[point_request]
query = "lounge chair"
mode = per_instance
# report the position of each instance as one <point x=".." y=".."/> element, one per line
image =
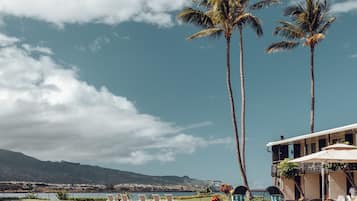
<point x="169" y="197"/>
<point x="142" y="197"/>
<point x="124" y="197"/>
<point x="117" y="197"/>
<point x="275" y="193"/>
<point x="341" y="198"/>
<point x="320" y="200"/>
<point x="239" y="193"/>
<point x="155" y="197"/>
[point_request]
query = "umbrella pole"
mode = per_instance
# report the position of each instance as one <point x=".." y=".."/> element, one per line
<point x="322" y="182"/>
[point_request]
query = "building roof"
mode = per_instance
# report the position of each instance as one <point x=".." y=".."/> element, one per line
<point x="312" y="135"/>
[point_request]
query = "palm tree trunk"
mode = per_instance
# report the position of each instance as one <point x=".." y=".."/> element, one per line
<point x="242" y="85"/>
<point x="242" y="90"/>
<point x="349" y="177"/>
<point x="233" y="112"/>
<point x="312" y="112"/>
<point x="302" y="194"/>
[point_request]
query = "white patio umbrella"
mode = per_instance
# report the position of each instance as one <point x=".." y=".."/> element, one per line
<point x="337" y="153"/>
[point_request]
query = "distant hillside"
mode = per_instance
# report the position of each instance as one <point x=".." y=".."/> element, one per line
<point x="15" y="166"/>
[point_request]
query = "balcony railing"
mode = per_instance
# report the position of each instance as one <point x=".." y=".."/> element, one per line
<point x="309" y="168"/>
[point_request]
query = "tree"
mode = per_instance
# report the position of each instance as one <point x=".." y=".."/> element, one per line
<point x="224" y="16"/>
<point x="244" y="17"/>
<point x="216" y="18"/>
<point x="310" y="22"/>
<point x="289" y="171"/>
<point x="240" y="10"/>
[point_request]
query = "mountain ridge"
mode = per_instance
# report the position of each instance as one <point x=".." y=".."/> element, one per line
<point x="16" y="166"/>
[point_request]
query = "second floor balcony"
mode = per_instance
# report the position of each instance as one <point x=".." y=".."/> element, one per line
<point x="312" y="168"/>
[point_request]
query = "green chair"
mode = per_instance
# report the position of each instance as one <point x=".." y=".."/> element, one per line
<point x="237" y="197"/>
<point x="239" y="193"/>
<point x="275" y="193"/>
<point x="276" y="197"/>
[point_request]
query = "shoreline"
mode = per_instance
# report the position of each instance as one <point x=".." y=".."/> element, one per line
<point x="40" y="187"/>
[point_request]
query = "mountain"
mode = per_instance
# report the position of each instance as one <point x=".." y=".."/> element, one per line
<point x="15" y="166"/>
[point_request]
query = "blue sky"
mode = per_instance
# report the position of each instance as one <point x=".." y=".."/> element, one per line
<point x="115" y="83"/>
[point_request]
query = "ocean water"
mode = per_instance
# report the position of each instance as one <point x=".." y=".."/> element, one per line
<point x="133" y="196"/>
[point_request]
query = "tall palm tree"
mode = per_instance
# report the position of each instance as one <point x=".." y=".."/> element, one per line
<point x="243" y="15"/>
<point x="310" y="22"/>
<point x="240" y="10"/>
<point x="215" y="18"/>
<point x="224" y="16"/>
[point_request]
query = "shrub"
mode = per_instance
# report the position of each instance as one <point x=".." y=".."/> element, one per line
<point x="287" y="169"/>
<point x="31" y="196"/>
<point x="62" y="195"/>
<point x="225" y="188"/>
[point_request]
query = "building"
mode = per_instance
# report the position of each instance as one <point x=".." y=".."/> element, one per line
<point x="215" y="185"/>
<point x="309" y="179"/>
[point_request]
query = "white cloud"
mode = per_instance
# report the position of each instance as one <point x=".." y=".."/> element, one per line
<point x="61" y="12"/>
<point x="38" y="49"/>
<point x="354" y="56"/>
<point x="47" y="112"/>
<point x="98" y="43"/>
<point x="344" y="6"/>
<point x="7" y="40"/>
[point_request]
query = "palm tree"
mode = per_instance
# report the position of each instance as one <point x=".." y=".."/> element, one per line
<point x="310" y="22"/>
<point x="224" y="16"/>
<point x="242" y="17"/>
<point x="216" y="19"/>
<point x="240" y="12"/>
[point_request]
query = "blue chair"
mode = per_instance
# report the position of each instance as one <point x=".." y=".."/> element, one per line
<point x="276" y="197"/>
<point x="275" y="193"/>
<point x="237" y="197"/>
<point x="239" y="193"/>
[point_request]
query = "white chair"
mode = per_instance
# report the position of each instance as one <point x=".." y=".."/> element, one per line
<point x="155" y="197"/>
<point x="341" y="198"/>
<point x="124" y="197"/>
<point x="110" y="198"/>
<point x="169" y="197"/>
<point x="118" y="197"/>
<point x="142" y="197"/>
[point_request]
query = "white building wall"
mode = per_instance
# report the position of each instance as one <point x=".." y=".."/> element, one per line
<point x="288" y="188"/>
<point x="337" y="184"/>
<point x="311" y="186"/>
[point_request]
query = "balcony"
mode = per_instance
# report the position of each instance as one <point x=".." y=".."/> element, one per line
<point x="309" y="168"/>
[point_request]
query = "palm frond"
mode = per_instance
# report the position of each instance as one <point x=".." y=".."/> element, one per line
<point x="294" y="10"/>
<point x="263" y="4"/>
<point x="327" y="25"/>
<point x="243" y="3"/>
<point x="252" y="20"/>
<point x="289" y="30"/>
<point x="194" y="16"/>
<point x="310" y="9"/>
<point x="317" y="15"/>
<point x="224" y="9"/>
<point x="213" y="32"/>
<point x="283" y="45"/>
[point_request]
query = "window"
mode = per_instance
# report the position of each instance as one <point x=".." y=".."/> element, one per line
<point x="349" y="138"/>
<point x="313" y="147"/>
<point x="322" y="144"/>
